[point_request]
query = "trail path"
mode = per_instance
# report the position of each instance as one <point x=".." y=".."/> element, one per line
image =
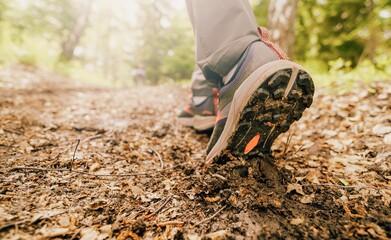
<point x="90" y="163"/>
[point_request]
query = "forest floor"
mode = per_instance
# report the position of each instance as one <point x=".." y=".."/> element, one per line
<point x="79" y="162"/>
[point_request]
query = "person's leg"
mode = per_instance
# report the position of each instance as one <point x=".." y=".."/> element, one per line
<point x="200" y="87"/>
<point x="223" y="30"/>
<point x="200" y="112"/>
<point x="262" y="93"/>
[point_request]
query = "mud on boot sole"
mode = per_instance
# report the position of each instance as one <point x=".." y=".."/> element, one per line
<point x="271" y="110"/>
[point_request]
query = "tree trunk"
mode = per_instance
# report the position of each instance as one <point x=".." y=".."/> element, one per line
<point x="372" y="42"/>
<point x="77" y="31"/>
<point x="281" y="21"/>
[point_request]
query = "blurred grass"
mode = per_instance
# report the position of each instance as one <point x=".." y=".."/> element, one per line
<point x="342" y="78"/>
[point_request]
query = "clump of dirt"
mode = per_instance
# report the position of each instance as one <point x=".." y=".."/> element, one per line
<point x="91" y="163"/>
<point x="139" y="228"/>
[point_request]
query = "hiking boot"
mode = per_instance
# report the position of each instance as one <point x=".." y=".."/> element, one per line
<point x="264" y="96"/>
<point x="200" y="115"/>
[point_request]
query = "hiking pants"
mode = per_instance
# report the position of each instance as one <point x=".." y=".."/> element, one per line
<point x="223" y="29"/>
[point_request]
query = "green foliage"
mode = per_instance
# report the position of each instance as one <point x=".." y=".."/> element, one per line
<point x="31" y="31"/>
<point x="166" y="42"/>
<point x="179" y="61"/>
<point x="349" y="30"/>
<point x="260" y="8"/>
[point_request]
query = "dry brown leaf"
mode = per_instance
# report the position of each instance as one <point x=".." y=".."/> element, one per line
<point x="295" y="187"/>
<point x="387" y="139"/>
<point x="97" y="204"/>
<point x="307" y="198"/>
<point x="49" y="232"/>
<point x="64" y="221"/>
<point x="94" y="167"/>
<point x="297" y="221"/>
<point x="381" y="130"/>
<point x="212" y="199"/>
<point x="89" y="233"/>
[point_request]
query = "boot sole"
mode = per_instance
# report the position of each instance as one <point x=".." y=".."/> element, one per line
<point x="203" y="123"/>
<point x="263" y="107"/>
<point x="200" y="123"/>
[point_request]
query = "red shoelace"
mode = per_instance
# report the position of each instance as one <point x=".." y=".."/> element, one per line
<point x="264" y="36"/>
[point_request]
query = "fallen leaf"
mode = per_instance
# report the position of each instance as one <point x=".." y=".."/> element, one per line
<point x="297" y="221"/>
<point x="5" y="216"/>
<point x="381" y="130"/>
<point x="387" y="139"/>
<point x="44" y="214"/>
<point x="376" y="231"/>
<point x="89" y="233"/>
<point x="49" y="232"/>
<point x="295" y="187"/>
<point x="307" y="198"/>
<point x="95" y="167"/>
<point x="97" y="204"/>
<point x="136" y="190"/>
<point x="106" y="229"/>
<point x="217" y="235"/>
<point x="64" y="221"/>
<point x="233" y="200"/>
<point x="275" y="203"/>
<point x="212" y="199"/>
<point x="312" y="177"/>
<point x="335" y="144"/>
<point x="344" y="182"/>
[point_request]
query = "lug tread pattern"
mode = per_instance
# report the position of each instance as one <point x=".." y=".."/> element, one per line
<point x="269" y="114"/>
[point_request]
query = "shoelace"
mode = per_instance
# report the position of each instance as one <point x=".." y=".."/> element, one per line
<point x="264" y="36"/>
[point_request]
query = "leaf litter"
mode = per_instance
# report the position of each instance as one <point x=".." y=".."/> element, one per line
<point x="82" y="162"/>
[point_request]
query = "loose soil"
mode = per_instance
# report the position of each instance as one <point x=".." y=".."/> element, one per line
<point x="79" y="162"/>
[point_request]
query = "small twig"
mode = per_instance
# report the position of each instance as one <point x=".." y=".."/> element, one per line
<point x="219" y="176"/>
<point x="74" y="154"/>
<point x="163" y="224"/>
<point x="211" y="217"/>
<point x="160" y="158"/>
<point x="13" y="131"/>
<point x="288" y="141"/>
<point x="244" y="136"/>
<point x="29" y="220"/>
<point x="347" y="210"/>
<point x="270" y="133"/>
<point x="298" y="150"/>
<point x="43" y="169"/>
<point x="348" y="187"/>
<point x="151" y="172"/>
<point x="159" y="209"/>
<point x="13" y="224"/>
<point x="75" y="234"/>
<point x="99" y="135"/>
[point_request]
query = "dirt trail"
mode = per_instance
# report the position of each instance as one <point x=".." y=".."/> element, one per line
<point x="91" y="163"/>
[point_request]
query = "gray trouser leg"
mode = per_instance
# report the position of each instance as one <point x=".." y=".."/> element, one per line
<point x="223" y="30"/>
<point x="200" y="87"/>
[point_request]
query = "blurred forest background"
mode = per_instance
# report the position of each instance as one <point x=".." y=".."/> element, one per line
<point x="101" y="41"/>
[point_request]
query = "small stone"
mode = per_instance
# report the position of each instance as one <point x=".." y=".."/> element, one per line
<point x="297" y="221"/>
<point x="387" y="139"/>
<point x="381" y="130"/>
<point x="139" y="228"/>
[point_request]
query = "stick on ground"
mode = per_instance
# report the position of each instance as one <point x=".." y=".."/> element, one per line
<point x="160" y="158"/>
<point x="211" y="217"/>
